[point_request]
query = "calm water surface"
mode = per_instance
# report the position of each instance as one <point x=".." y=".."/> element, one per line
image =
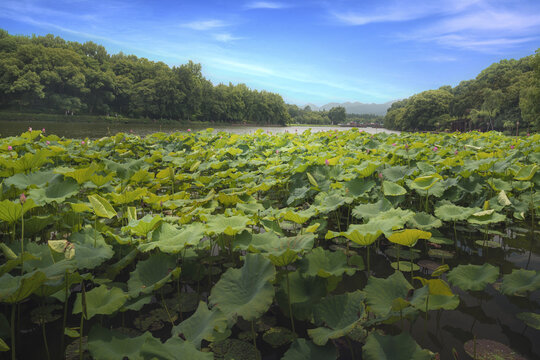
<point x="94" y="131"/>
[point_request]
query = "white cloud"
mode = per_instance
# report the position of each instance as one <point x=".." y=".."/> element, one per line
<point x="266" y="5"/>
<point x="226" y="37"/>
<point x="205" y="24"/>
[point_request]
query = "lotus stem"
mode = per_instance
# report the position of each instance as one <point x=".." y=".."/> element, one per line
<point x="338" y="223"/>
<point x="474" y="347"/>
<point x="66" y="290"/>
<point x="368" y="269"/>
<point x="22" y="244"/>
<point x="398" y="248"/>
<point x="13" y="311"/>
<point x="254" y="335"/>
<point x="165" y="307"/>
<point x="350" y="346"/>
<point x="95" y="231"/>
<point x="412" y="268"/>
<point x="43" y="332"/>
<point x="83" y="313"/>
<point x="289" y="300"/>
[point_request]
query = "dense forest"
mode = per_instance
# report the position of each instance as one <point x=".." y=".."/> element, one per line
<point x="47" y="74"/>
<point x="505" y="97"/>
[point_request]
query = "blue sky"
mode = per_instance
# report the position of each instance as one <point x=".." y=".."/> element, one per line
<point x="308" y="51"/>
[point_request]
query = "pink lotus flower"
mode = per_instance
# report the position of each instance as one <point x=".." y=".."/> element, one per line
<point x="367" y="151"/>
<point x="277" y="151"/>
<point x="528" y="134"/>
<point x="327" y="162"/>
<point x="435" y="148"/>
<point x="394" y="144"/>
<point x="43" y="130"/>
<point x="456" y="152"/>
<point x="407" y="147"/>
<point x="380" y="176"/>
<point x="82" y="142"/>
<point x="29" y="129"/>
<point x="10" y="147"/>
<point x="131" y="131"/>
<point x="22" y="198"/>
<point x="511" y="146"/>
<point x="188" y="130"/>
<point x="48" y="142"/>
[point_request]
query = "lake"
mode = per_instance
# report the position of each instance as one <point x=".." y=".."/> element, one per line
<point x="98" y="130"/>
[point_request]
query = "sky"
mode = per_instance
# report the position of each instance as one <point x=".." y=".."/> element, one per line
<point x="371" y="51"/>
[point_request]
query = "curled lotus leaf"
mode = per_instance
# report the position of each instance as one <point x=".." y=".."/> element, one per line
<point x="526" y="173"/>
<point x="451" y="212"/>
<point x="424" y="221"/>
<point x="409" y="237"/>
<point x="363" y="234"/>
<point x="101" y="206"/>
<point x="14" y="289"/>
<point x="399" y="347"/>
<point x="425" y="182"/>
<point x="531" y="319"/>
<point x="393" y="189"/>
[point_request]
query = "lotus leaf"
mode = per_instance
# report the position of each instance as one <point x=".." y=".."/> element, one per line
<point x="152" y="273"/>
<point x="404" y="266"/>
<point x="392" y="189"/>
<point x="435" y="295"/>
<point x="100" y="301"/>
<point x="23" y="181"/>
<point x="409" y="237"/>
<point x="245" y="292"/>
<point x="531" y="319"/>
<point x="520" y="281"/>
<point x="3" y="346"/>
<point x="14" y="289"/>
<point x="451" y="212"/>
<point x="143" y="226"/>
<point x="340" y="314"/>
<point x="305" y="292"/>
<point x="234" y="349"/>
<point x="368" y="211"/>
<point x="380" y="293"/>
<point x="302" y="349"/>
<point x="424" y="221"/>
<point x="229" y="225"/>
<point x="526" y="173"/>
<point x="483" y="349"/>
<point x="425" y="182"/>
<point x="325" y="263"/>
<point x="202" y="325"/>
<point x="101" y="206"/>
<point x="57" y="190"/>
<point x="91" y="250"/>
<point x="358" y="187"/>
<point x="278" y="336"/>
<point x="399" y="347"/>
<point x="11" y="211"/>
<point x="169" y="239"/>
<point x="363" y="234"/>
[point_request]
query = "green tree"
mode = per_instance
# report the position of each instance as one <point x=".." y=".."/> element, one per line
<point x="337" y="115"/>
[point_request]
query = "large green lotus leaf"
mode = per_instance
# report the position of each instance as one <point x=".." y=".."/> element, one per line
<point x="451" y="212"/>
<point x="380" y="293"/>
<point x="14" y="289"/>
<point x="520" y="281"/>
<point x="57" y="190"/>
<point x="247" y="291"/>
<point x="299" y="217"/>
<point x="202" y="325"/>
<point x="392" y="219"/>
<point x="425" y="182"/>
<point x="302" y="349"/>
<point x="35" y="224"/>
<point x="424" y="221"/>
<point x="393" y="189"/>
<point x="152" y="273"/>
<point x="101" y="206"/>
<point x="396" y="173"/>
<point x="169" y="239"/>
<point x="327" y="203"/>
<point x="127" y="196"/>
<point x="153" y="348"/>
<point x="298" y="194"/>
<point x="363" y="234"/>
<point x="91" y="250"/>
<point x="526" y="173"/>
<point x="23" y="181"/>
<point x="409" y="237"/>
<point x="11" y="211"/>
<point x="125" y="170"/>
<point x="399" y="347"/>
<point x="228" y="225"/>
<point x="340" y="314"/>
<point x="434" y="297"/>
<point x="80" y="175"/>
<point x="112" y="345"/>
<point x="531" y="319"/>
<point x="325" y="263"/>
<point x="498" y="185"/>
<point x="473" y="277"/>
<point x="10" y="264"/>
<point x="305" y="292"/>
<point x="143" y="226"/>
<point x="366" y="168"/>
<point x="285" y="251"/>
<point x="503" y="199"/>
<point x="358" y="187"/>
<point x="486" y="217"/>
<point x="101" y="301"/>
<point x="368" y="211"/>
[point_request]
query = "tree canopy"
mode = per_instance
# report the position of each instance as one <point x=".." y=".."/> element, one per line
<point x="48" y="74"/>
<point x="504" y="96"/>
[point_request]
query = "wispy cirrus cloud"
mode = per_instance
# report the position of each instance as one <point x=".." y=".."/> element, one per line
<point x="266" y="5"/>
<point x="226" y="37"/>
<point x="479" y="25"/>
<point x="203" y="25"/>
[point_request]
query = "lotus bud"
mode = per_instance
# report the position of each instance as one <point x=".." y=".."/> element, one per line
<point x="277" y="151"/>
<point x="511" y="146"/>
<point x="380" y="176"/>
<point x="407" y="147"/>
<point x="456" y="152"/>
<point x="43" y="130"/>
<point x="29" y="129"/>
<point x="48" y="142"/>
<point x="10" y="147"/>
<point x="82" y="142"/>
<point x="327" y="162"/>
<point x="22" y="198"/>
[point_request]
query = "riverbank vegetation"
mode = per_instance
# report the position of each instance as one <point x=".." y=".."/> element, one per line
<point x="47" y="74"/>
<point x="313" y="245"/>
<point x="504" y="97"/>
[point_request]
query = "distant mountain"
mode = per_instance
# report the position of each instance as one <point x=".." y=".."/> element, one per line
<point x="359" y="108"/>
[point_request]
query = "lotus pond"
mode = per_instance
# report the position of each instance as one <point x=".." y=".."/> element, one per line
<point x="329" y="245"/>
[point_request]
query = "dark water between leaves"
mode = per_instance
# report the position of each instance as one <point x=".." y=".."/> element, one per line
<point x="82" y="130"/>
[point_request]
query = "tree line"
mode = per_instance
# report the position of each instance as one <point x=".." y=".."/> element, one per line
<point x="504" y="97"/>
<point x="334" y="116"/>
<point x="47" y="74"/>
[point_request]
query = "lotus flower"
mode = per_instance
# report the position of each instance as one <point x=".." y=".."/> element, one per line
<point x="326" y="162"/>
<point x="511" y="146"/>
<point x="43" y="130"/>
<point x="380" y="176"/>
<point x="48" y="142"/>
<point x="10" y="147"/>
<point x="188" y="130"/>
<point x="407" y="147"/>
<point x="29" y="129"/>
<point x="277" y="151"/>
<point x="22" y="198"/>
<point x="82" y="142"/>
<point x="456" y="152"/>
<point x="435" y="148"/>
<point x="394" y="144"/>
